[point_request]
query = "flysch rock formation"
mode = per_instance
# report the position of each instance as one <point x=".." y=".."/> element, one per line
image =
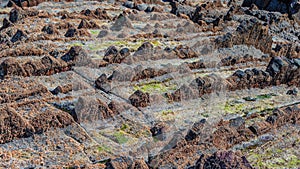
<point x="146" y="84"/>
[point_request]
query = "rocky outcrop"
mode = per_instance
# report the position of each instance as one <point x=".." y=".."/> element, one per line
<point x="103" y="83"/>
<point x="279" y="71"/>
<point x="122" y="74"/>
<point x="181" y="9"/>
<point x="47" y="120"/>
<point x="5" y="24"/>
<point x="85" y="14"/>
<point x="226" y="134"/>
<point x="22" y="49"/>
<point x="88" y="25"/>
<point x="13" y="126"/>
<point x="113" y="55"/>
<point x="18" y="36"/>
<point x="284" y="71"/>
<point x="249" y="79"/>
<point x="197" y="65"/>
<point x="230" y="61"/>
<point x="250" y="32"/>
<point x="160" y="130"/>
<point x="29" y="3"/>
<point x="62" y="89"/>
<point x="121" y="22"/>
<point x="97" y="14"/>
<point x="185" y="52"/>
<point x="195" y="130"/>
<point x="89" y="110"/>
<point x="17" y="14"/>
<point x="197" y="88"/>
<point x="126" y="162"/>
<point x="77" y="56"/>
<point x="287" y="50"/>
<point x="19" y="89"/>
<point x="292" y="92"/>
<point x="290" y="6"/>
<point x="223" y="160"/>
<point x="149" y="73"/>
<point x="73" y="32"/>
<point x="130" y="74"/>
<point x="228" y="58"/>
<point x="147" y="46"/>
<point x="45" y="66"/>
<point x="50" y="29"/>
<point x="139" y="99"/>
<point x="284" y="115"/>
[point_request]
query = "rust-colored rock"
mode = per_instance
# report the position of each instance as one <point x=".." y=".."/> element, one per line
<point x="159" y="130"/>
<point x="223" y="160"/>
<point x="62" y="89"/>
<point x="195" y="130"/>
<point x="73" y="32"/>
<point x="20" y="89"/>
<point x="13" y="126"/>
<point x="103" y="83"/>
<point x="77" y="56"/>
<point x="89" y="110"/>
<point x="139" y="99"/>
<point x="185" y="52"/>
<point x="113" y="55"/>
<point x="281" y="116"/>
<point x="44" y="66"/>
<point x="17" y="14"/>
<point x="50" y="29"/>
<point x="250" y="32"/>
<point x="98" y="13"/>
<point x="88" y="25"/>
<point x="47" y="120"/>
<point x="148" y="73"/>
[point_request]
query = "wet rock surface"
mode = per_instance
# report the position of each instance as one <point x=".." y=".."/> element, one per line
<point x="149" y="84"/>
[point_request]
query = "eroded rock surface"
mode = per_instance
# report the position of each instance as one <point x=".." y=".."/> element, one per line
<point x="149" y="84"/>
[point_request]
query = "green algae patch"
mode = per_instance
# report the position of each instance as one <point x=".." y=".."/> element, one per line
<point x="268" y="159"/>
<point x="202" y="74"/>
<point x="94" y="32"/>
<point x="104" y="148"/>
<point x="134" y="130"/>
<point x="132" y="45"/>
<point x="261" y="104"/>
<point x="155" y="87"/>
<point x="125" y="127"/>
<point x="265" y="96"/>
<point x="167" y="112"/>
<point x="94" y="46"/>
<point x="155" y="43"/>
<point x="231" y="107"/>
<point x="166" y="115"/>
<point x="206" y="115"/>
<point x="120" y="137"/>
<point x="291" y="161"/>
<point x="76" y="44"/>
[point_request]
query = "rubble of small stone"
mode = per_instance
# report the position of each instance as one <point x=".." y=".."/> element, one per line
<point x="150" y="84"/>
